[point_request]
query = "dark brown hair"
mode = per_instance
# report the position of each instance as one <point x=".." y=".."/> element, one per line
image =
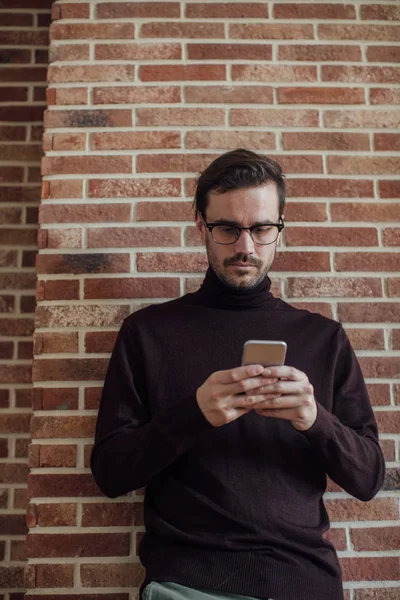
<point x="240" y="168"/>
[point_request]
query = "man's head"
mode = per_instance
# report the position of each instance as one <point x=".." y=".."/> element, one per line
<point x="240" y="188"/>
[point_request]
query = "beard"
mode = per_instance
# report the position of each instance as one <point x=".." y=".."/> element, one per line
<point x="239" y="279"/>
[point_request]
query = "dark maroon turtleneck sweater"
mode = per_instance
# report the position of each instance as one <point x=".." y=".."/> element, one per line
<point x="236" y="508"/>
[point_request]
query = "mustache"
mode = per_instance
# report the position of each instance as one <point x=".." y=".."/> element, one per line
<point x="251" y="260"/>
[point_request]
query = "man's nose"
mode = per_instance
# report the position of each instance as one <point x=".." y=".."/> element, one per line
<point x="244" y="243"/>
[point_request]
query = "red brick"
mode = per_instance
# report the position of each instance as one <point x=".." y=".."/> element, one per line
<point x="391" y="236"/>
<point x="112" y="575"/>
<point x="366" y="339"/>
<point x="164" y="211"/>
<point x="388" y="449"/>
<point x="138" y="51"/>
<point x="61" y="514"/>
<point x="14" y="94"/>
<point x="74" y="369"/>
<point x="226" y="10"/>
<point x="87" y="213"/>
<point x="314" y="11"/>
<point x="23" y="113"/>
<point x="61" y="290"/>
<point x="389" y="189"/>
<point x="12" y="133"/>
<point x="396" y="339"/>
<point x="68" y="141"/>
<point x="13" y="473"/>
<point x="319" y="53"/>
<point x="271" y="31"/>
<point x="25" y="350"/>
<point x="67" y="96"/>
<point x="82" y="263"/>
<point x="130" y="188"/>
<point x="21" y="152"/>
<point x="175" y="262"/>
<point x="19" y="194"/>
<point x="360" y="74"/>
<point x="56" y="455"/>
<point x="99" y="341"/>
<point x="378" y="312"/>
<point x="370" y="569"/>
<point x="320" y="95"/>
<point x="118" y="10"/>
<point x="376" y="538"/>
<point x="156" y="163"/>
<point x="388" y="421"/>
<point x="53" y="165"/>
<point x="301" y="261"/>
<point x="384" y="96"/>
<point x="17" y="553"/>
<point x="379" y="394"/>
<point x="369" y="31"/>
<point x="69" y="188"/>
<point x="179" y="29"/>
<point x="123" y="514"/>
<point x="256" y="117"/>
<point x="180" y="116"/>
<point x="73" y="11"/>
<point x="270" y="73"/>
<point x="67" y="52"/>
<point x="82" y="596"/>
<point x="8" y="258"/>
<point x="261" y="140"/>
<point x="55" y="398"/>
<point x="380" y="12"/>
<point x="337" y="287"/>
<point x="217" y="94"/>
<point x="64" y="74"/>
<point x="128" y="237"/>
<point x="16" y="327"/>
<point x="49" y="343"/>
<point x="383" y="54"/>
<point x="382" y="366"/>
<point x="360" y="118"/>
<point x="229" y="51"/>
<point x="12" y="525"/>
<point x="387" y="141"/>
<point x="48" y="576"/>
<point x="6" y="350"/>
<point x="92" y="397"/>
<point x="15" y="373"/>
<point x="82" y="316"/>
<point x="365" y="212"/>
<point x="393" y="286"/>
<point x="139" y="287"/>
<point x="62" y="427"/>
<point x="320" y="140"/>
<point x="63" y="238"/>
<point x="87" y="118"/>
<point x="330" y="188"/>
<point x="377" y="594"/>
<point x="16" y="20"/>
<point x="11" y="174"/>
<point x="366" y="261"/>
<point x="85" y="31"/>
<point x="349" y="509"/>
<point x="363" y="165"/>
<point x="7" y="303"/>
<point x="17" y="281"/>
<point x="182" y="73"/>
<point x="302" y="211"/>
<point x="76" y="545"/>
<point x="130" y="140"/>
<point x="24" y="74"/>
<point x="136" y="95"/>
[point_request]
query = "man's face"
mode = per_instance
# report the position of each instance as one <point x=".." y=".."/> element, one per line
<point x="244" y="263"/>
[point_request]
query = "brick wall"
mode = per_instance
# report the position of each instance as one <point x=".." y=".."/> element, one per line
<point x="141" y="96"/>
<point x="23" y="60"/>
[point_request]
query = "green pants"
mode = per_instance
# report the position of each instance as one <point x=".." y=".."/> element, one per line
<point x="167" y="590"/>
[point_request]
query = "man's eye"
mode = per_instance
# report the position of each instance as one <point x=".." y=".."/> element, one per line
<point x="262" y="229"/>
<point x="227" y="229"/>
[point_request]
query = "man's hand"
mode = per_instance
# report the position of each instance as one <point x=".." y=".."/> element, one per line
<point x="223" y="397"/>
<point x="291" y="397"/>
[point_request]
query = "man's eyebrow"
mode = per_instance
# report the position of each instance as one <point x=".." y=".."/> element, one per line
<point x="234" y="224"/>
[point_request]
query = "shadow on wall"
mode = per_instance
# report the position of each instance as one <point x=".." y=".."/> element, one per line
<point x="23" y="59"/>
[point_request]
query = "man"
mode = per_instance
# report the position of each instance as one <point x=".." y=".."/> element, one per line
<point x="235" y="458"/>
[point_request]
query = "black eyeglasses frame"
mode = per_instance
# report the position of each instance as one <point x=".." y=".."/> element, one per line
<point x="210" y="227"/>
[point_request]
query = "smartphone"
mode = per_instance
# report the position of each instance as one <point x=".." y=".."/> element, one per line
<point x="263" y="352"/>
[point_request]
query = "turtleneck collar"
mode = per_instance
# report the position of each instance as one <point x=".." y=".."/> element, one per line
<point x="214" y="292"/>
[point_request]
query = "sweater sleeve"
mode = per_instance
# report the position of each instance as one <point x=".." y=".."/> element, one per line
<point x="347" y="439"/>
<point x="130" y="446"/>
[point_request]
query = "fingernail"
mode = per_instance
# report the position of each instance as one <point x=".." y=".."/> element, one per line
<point x="267" y="372"/>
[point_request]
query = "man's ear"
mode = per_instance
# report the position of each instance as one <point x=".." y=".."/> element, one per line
<point x="199" y="223"/>
<point x="280" y="233"/>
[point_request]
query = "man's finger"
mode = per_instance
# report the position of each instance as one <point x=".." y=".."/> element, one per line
<point x="285" y="371"/>
<point x="238" y="373"/>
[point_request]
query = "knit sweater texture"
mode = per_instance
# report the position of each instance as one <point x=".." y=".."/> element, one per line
<point x="237" y="508"/>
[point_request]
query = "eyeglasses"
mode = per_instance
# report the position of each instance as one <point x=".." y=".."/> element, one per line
<point x="262" y="234"/>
